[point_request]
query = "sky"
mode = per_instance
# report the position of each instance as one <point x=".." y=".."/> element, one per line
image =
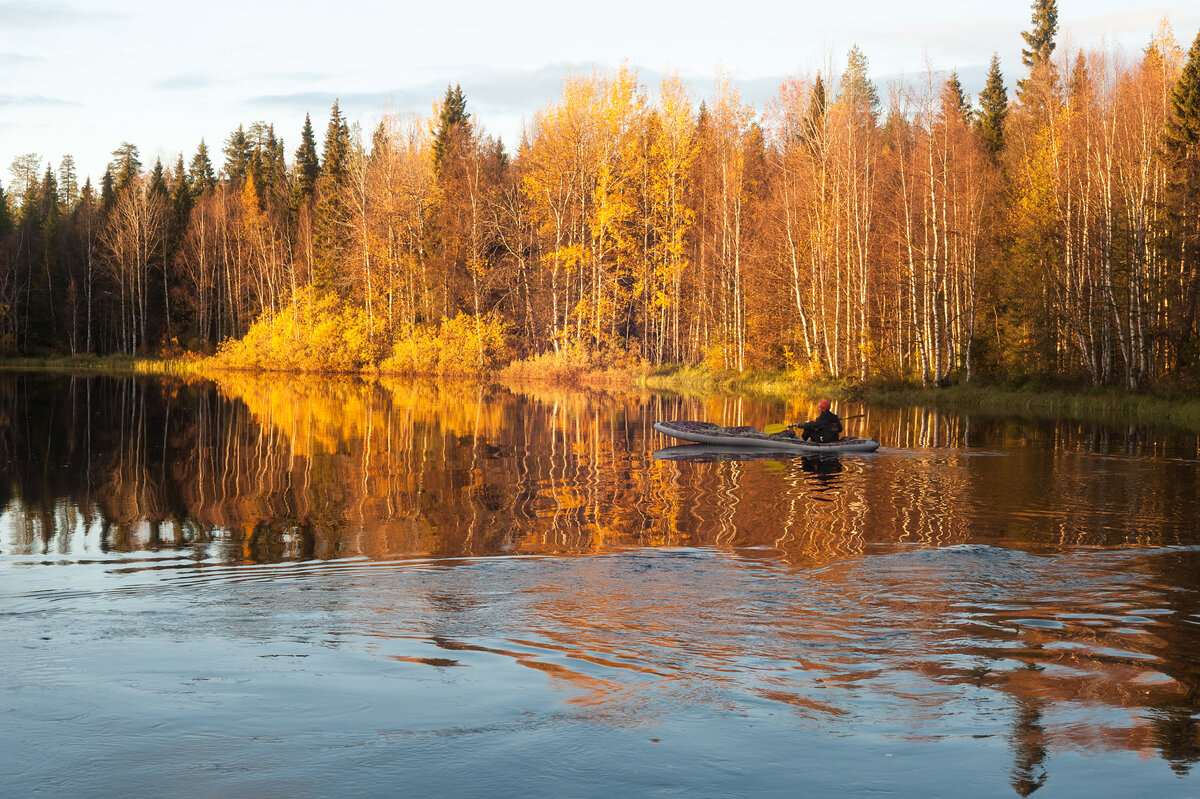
<point x="81" y="77"/>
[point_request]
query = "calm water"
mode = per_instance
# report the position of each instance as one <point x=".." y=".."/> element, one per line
<point x="274" y="589"/>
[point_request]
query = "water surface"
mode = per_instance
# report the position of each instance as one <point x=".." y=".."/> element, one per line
<point x="273" y="588"/>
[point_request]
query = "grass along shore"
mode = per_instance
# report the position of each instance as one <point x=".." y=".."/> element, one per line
<point x="1085" y="403"/>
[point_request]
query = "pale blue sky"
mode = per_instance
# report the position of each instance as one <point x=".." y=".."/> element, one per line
<point x="80" y="77"/>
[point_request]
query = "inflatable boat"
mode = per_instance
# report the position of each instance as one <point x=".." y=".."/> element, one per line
<point x="745" y="436"/>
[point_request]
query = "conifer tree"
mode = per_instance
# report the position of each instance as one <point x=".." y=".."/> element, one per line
<point x="814" y="121"/>
<point x="1039" y="42"/>
<point x="238" y="153"/>
<point x="1182" y="150"/>
<point x="107" y="189"/>
<point x="856" y="82"/>
<point x="68" y="182"/>
<point x="331" y="206"/>
<point x="993" y="109"/>
<point x="158" y="179"/>
<point x="201" y="173"/>
<point x="958" y="98"/>
<point x="5" y="214"/>
<point x="307" y="166"/>
<point x="125" y="165"/>
<point x="48" y="198"/>
<point x="336" y="154"/>
<point x="453" y="120"/>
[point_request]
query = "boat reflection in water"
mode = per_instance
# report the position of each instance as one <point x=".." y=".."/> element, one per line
<point x="1037" y="583"/>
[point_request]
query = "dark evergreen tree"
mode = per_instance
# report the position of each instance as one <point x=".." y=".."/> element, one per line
<point x="331" y="205"/>
<point x="308" y="168"/>
<point x="958" y="101"/>
<point x="814" y="119"/>
<point x="125" y="165"/>
<point x="1182" y="151"/>
<point x="1039" y="42"/>
<point x="6" y="222"/>
<point x="453" y="121"/>
<point x="993" y="109"/>
<point x="158" y="180"/>
<point x="68" y="183"/>
<point x="108" y="191"/>
<point x="201" y="173"/>
<point x="336" y="154"/>
<point x="238" y="153"/>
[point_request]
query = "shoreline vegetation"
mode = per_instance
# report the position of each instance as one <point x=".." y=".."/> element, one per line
<point x="1030" y="401"/>
<point x="907" y="234"/>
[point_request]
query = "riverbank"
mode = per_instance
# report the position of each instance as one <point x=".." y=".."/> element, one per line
<point x="1106" y="405"/>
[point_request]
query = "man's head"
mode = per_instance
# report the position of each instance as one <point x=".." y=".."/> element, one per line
<point x="823" y="405"/>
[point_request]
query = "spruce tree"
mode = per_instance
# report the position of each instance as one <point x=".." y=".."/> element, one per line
<point x="182" y="200"/>
<point x="856" y="82"/>
<point x="453" y="120"/>
<point x="125" y="165"/>
<point x="6" y="222"/>
<point x="331" y="205"/>
<point x="201" y="172"/>
<point x="158" y="179"/>
<point x="48" y="199"/>
<point x="238" y="152"/>
<point x="1181" y="148"/>
<point x="108" y="191"/>
<point x="814" y="122"/>
<point x="956" y="97"/>
<point x="1039" y="42"/>
<point x="307" y="165"/>
<point x="68" y="182"/>
<point x="336" y="154"/>
<point x="993" y="109"/>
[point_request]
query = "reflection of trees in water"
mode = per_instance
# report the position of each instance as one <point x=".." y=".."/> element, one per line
<point x="271" y="470"/>
<point x="278" y="469"/>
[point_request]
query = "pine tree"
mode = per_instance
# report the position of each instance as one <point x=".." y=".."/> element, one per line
<point x="307" y="166"/>
<point x="993" y="109"/>
<point x="336" y="154"/>
<point x="1181" y="148"/>
<point x="453" y="120"/>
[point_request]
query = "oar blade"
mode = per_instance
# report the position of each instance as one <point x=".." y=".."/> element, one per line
<point x="772" y="429"/>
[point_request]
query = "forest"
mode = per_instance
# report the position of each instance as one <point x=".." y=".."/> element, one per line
<point x="1045" y="231"/>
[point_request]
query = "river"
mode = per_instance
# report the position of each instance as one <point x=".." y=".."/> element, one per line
<point x="265" y="587"/>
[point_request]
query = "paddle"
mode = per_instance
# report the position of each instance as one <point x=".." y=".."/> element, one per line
<point x="772" y="429"/>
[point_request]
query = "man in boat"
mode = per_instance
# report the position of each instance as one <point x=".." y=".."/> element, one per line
<point x="824" y="429"/>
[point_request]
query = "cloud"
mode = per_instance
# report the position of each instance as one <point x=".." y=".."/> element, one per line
<point x="177" y="83"/>
<point x="29" y="15"/>
<point x="17" y="59"/>
<point x="34" y="101"/>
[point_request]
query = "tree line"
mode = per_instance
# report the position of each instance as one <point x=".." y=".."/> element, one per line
<point x="914" y="234"/>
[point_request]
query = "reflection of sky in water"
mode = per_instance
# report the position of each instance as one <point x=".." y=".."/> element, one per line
<point x="303" y="580"/>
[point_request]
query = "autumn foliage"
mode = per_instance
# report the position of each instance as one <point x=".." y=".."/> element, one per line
<point x="906" y="233"/>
